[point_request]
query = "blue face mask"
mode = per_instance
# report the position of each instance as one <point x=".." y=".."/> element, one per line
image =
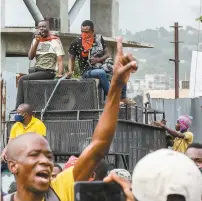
<point x="19" y="118"/>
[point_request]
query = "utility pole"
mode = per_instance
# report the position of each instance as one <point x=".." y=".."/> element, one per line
<point x="176" y="60"/>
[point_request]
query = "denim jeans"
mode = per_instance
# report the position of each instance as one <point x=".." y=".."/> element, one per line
<point x="102" y="76"/>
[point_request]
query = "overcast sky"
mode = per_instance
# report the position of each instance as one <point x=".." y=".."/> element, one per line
<point x="134" y="15"/>
<point x="157" y="13"/>
<point x="148" y="14"/>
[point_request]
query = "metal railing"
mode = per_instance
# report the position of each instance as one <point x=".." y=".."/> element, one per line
<point x="132" y="139"/>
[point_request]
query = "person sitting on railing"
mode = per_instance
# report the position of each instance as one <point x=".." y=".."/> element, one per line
<point x="25" y="123"/>
<point x="30" y="158"/>
<point x="183" y="137"/>
<point x="48" y="51"/>
<point x="93" y="58"/>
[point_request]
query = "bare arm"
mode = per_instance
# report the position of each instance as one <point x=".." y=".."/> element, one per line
<point x="173" y="132"/>
<point x="33" y="49"/>
<point x="60" y="65"/>
<point x="105" y="129"/>
<point x="71" y="65"/>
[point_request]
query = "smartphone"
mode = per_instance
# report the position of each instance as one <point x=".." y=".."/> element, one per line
<point x="98" y="191"/>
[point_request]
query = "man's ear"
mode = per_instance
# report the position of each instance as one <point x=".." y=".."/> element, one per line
<point x="13" y="166"/>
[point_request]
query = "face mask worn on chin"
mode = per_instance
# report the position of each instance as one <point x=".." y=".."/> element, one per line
<point x="19" y="118"/>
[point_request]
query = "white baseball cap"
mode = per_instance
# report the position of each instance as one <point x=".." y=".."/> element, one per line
<point x="166" y="172"/>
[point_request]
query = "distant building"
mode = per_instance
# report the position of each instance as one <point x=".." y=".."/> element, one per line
<point x="156" y="81"/>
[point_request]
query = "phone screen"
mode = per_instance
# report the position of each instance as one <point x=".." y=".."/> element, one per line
<point x="98" y="191"/>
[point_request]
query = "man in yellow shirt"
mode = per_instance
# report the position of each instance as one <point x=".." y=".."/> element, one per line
<point x="30" y="158"/>
<point x="183" y="137"/>
<point x="25" y="123"/>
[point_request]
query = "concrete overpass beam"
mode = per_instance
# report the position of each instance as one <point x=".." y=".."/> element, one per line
<point x="105" y="15"/>
<point x="55" y="9"/>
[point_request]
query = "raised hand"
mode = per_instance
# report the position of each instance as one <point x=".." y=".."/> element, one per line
<point x="123" y="66"/>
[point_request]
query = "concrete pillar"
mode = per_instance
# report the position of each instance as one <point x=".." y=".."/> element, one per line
<point x="105" y="15"/>
<point x="3" y="13"/>
<point x="3" y="53"/>
<point x="57" y="9"/>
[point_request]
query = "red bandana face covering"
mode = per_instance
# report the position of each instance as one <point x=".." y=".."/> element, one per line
<point x="87" y="43"/>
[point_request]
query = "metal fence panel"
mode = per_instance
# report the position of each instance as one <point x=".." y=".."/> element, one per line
<point x="70" y="94"/>
<point x="132" y="139"/>
<point x="175" y="107"/>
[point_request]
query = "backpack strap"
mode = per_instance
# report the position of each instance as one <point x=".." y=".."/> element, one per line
<point x="9" y="197"/>
<point x="51" y="195"/>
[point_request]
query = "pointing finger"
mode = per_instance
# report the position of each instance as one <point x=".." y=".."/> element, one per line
<point x="119" y="54"/>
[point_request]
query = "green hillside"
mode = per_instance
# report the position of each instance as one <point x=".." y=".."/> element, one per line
<point x="157" y="59"/>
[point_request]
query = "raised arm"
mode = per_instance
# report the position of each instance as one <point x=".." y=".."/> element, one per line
<point x="173" y="132"/>
<point x="33" y="48"/>
<point x="105" y="129"/>
<point x="170" y="131"/>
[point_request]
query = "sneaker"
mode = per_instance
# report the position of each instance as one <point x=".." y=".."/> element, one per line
<point x="127" y="101"/>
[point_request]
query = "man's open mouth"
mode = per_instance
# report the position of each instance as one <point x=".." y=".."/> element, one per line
<point x="43" y="176"/>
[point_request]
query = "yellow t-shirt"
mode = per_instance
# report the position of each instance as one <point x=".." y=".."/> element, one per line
<point x="181" y="144"/>
<point x="35" y="126"/>
<point x="63" y="185"/>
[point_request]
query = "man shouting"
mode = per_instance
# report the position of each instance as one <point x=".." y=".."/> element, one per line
<point x="30" y="158"/>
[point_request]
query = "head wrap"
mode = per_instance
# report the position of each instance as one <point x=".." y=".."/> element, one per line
<point x="185" y="122"/>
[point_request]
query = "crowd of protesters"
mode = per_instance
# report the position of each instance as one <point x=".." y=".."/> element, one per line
<point x="163" y="175"/>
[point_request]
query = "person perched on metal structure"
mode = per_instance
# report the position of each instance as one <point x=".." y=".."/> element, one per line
<point x="30" y="158"/>
<point x="93" y="58"/>
<point x="183" y="137"/>
<point x="25" y="123"/>
<point x="48" y="51"/>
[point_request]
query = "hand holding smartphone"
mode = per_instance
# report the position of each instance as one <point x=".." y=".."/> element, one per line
<point x="38" y="35"/>
<point x="98" y="191"/>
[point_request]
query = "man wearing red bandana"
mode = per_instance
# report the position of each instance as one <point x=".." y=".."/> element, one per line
<point x="93" y="57"/>
<point x="48" y="51"/>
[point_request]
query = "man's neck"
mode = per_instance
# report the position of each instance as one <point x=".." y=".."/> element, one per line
<point x="23" y="195"/>
<point x="27" y="120"/>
